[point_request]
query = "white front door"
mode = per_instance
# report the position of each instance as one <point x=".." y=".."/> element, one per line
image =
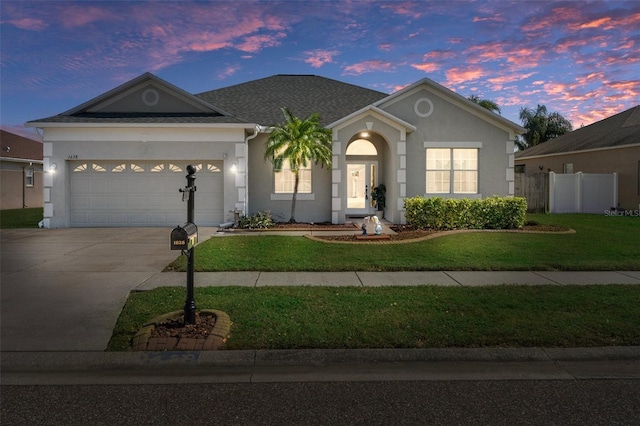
<point x="362" y="177"/>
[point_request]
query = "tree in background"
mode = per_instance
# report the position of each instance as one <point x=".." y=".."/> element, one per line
<point x="298" y="142"/>
<point x="485" y="103"/>
<point x="541" y="126"/>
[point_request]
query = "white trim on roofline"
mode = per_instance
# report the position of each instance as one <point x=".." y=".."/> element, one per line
<point x="390" y="119"/>
<point x="20" y="160"/>
<point x="42" y="125"/>
<point x="583" y="151"/>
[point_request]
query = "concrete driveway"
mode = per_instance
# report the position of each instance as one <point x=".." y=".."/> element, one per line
<point x="63" y="289"/>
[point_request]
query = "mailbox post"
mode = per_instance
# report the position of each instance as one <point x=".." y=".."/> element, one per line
<point x="185" y="238"/>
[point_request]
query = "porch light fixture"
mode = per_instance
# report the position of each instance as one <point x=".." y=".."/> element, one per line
<point x="52" y="168"/>
<point x="234" y="168"/>
<point x="364" y="134"/>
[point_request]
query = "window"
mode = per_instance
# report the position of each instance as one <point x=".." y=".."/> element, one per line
<point x="452" y="171"/>
<point x="28" y="177"/>
<point x="285" y="179"/>
<point x="567" y="168"/>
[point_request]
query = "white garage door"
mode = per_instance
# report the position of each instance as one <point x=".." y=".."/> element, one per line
<point x="143" y="193"/>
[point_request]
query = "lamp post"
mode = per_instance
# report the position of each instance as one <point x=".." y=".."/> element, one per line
<point x="189" y="192"/>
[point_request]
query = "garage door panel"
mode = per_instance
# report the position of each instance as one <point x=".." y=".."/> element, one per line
<point x="138" y="193"/>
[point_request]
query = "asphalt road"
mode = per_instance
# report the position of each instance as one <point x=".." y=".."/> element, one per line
<point x="513" y="402"/>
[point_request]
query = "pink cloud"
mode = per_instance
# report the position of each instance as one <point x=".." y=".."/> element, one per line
<point x="495" y="18"/>
<point x="80" y="16"/>
<point x="255" y="43"/>
<point x="499" y="82"/>
<point x="319" y="57"/>
<point x="369" y="66"/>
<point x="229" y="71"/>
<point x="426" y="67"/>
<point x="30" y="24"/>
<point x="555" y="17"/>
<point x="457" y="76"/>
<point x="405" y="9"/>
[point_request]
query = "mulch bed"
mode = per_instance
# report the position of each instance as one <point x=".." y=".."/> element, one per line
<point x="168" y="332"/>
<point x="175" y="327"/>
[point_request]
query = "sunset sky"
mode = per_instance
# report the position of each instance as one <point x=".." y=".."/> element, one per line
<point x="579" y="58"/>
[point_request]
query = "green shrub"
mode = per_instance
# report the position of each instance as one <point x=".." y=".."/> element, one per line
<point x="465" y="213"/>
<point x="259" y="220"/>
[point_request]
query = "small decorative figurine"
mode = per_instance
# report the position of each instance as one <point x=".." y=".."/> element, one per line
<point x="364" y="225"/>
<point x="378" y="225"/>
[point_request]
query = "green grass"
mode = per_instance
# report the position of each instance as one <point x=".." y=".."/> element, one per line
<point x="600" y="243"/>
<point x="405" y="317"/>
<point x="21" y="218"/>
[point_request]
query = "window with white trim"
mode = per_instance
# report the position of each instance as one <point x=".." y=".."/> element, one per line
<point x="452" y="171"/>
<point x="284" y="179"/>
<point x="28" y="177"/>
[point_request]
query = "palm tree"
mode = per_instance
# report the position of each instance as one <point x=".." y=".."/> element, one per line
<point x="299" y="142"/>
<point x="485" y="103"/>
<point x="541" y="126"/>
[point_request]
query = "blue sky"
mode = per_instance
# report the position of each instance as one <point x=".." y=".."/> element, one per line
<point x="579" y="58"/>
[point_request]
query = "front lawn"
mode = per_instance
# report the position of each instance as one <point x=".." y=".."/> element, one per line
<point x="21" y="218"/>
<point x="404" y="317"/>
<point x="600" y="243"/>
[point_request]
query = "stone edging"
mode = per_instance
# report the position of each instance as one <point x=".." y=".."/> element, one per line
<point x="437" y="234"/>
<point x="143" y="341"/>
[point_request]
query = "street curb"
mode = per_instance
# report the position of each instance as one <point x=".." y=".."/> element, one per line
<point x="83" y="361"/>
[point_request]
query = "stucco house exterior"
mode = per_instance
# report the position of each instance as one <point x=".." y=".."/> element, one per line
<point x="20" y="171"/>
<point x="607" y="146"/>
<point x="120" y="158"/>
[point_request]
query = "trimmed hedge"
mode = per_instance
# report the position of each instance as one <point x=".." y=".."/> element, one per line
<point x="465" y="213"/>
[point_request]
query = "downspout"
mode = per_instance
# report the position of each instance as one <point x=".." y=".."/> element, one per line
<point x="24" y="189"/>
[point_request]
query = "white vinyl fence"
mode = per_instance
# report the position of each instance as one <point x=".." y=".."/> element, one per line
<point x="582" y="192"/>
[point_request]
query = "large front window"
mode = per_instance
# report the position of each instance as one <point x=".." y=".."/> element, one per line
<point x="452" y="171"/>
<point x="284" y="179"/>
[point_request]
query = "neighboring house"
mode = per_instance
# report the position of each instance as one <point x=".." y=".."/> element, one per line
<point x="20" y="171"/>
<point x="120" y="158"/>
<point x="607" y="146"/>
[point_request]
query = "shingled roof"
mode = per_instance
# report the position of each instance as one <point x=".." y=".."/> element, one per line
<point x="618" y="130"/>
<point x="18" y="147"/>
<point x="260" y="101"/>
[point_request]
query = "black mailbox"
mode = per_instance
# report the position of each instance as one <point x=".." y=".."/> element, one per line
<point x="184" y="237"/>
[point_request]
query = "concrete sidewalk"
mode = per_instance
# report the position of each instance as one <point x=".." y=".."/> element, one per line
<point x="381" y="279"/>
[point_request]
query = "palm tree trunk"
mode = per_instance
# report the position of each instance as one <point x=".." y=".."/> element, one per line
<point x="295" y="196"/>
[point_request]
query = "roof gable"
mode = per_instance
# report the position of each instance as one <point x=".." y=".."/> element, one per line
<point x="145" y="99"/>
<point x="618" y="130"/>
<point x="146" y="93"/>
<point x="453" y="97"/>
<point x="376" y="112"/>
<point x="260" y="101"/>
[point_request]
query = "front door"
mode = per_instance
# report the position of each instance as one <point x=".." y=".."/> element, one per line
<point x="362" y="177"/>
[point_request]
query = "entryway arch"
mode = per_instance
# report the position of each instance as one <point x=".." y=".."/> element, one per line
<point x="364" y="156"/>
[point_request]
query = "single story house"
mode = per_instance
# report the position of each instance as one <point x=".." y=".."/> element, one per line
<point x="607" y="146"/>
<point x="120" y="158"/>
<point x="20" y="171"/>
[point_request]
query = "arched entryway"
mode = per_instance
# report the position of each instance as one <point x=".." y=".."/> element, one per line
<point x="363" y="173"/>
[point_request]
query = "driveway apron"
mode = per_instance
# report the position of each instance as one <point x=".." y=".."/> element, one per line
<point x="63" y="289"/>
